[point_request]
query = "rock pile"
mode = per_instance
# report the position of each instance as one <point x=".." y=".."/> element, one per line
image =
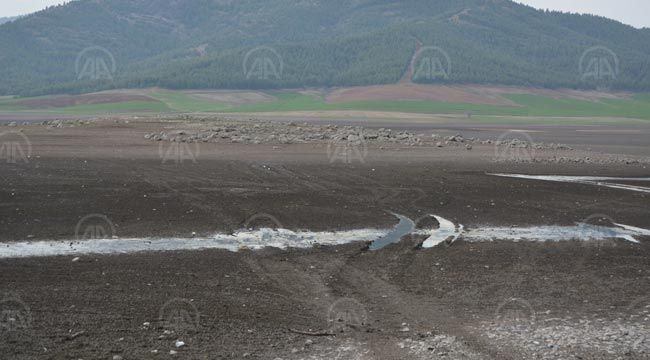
<point x="273" y="132"/>
<point x="285" y="133"/>
<point x="458" y="139"/>
<point x="599" y="160"/>
<point x="50" y="123"/>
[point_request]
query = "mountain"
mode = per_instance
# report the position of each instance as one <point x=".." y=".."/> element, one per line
<point x="89" y="45"/>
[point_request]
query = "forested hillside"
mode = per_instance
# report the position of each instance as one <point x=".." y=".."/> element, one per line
<point x="89" y="45"/>
<point x="6" y="19"/>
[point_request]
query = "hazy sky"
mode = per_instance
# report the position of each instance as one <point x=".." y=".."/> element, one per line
<point x="633" y="12"/>
<point x="21" y="7"/>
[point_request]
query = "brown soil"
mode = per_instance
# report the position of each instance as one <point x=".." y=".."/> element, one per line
<point x="234" y="98"/>
<point x="255" y="304"/>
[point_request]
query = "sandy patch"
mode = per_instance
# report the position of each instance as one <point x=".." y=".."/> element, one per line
<point x="348" y="114"/>
<point x="587" y="95"/>
<point x="468" y="94"/>
<point x="231" y="97"/>
<point x="452" y="94"/>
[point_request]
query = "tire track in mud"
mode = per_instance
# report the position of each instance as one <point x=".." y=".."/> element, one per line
<point x="420" y="314"/>
<point x="387" y="306"/>
<point x="317" y="293"/>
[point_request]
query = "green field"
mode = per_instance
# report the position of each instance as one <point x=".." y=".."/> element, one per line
<point x="10" y="106"/>
<point x="167" y="101"/>
<point x="528" y="105"/>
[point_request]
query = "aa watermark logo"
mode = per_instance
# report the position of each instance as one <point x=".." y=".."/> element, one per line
<point x="515" y="146"/>
<point x="597" y="225"/>
<point x="180" y="316"/>
<point x="346" y="313"/>
<point x="261" y="221"/>
<point x="95" y="63"/>
<point x="348" y="149"/>
<point x="599" y="64"/>
<point x="15" y="147"/>
<point x="266" y="223"/>
<point x="431" y="63"/>
<point x="515" y="310"/>
<point x="263" y="63"/>
<point x="178" y="152"/>
<point x="95" y="227"/>
<point x="15" y="315"/>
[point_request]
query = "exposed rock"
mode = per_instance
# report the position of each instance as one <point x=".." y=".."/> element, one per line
<point x="566" y="338"/>
<point x="266" y="132"/>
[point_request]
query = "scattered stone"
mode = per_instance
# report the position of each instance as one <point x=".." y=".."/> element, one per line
<point x="555" y="338"/>
<point x="268" y="132"/>
<point x="457" y="138"/>
<point x="439" y="347"/>
<point x="261" y="132"/>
